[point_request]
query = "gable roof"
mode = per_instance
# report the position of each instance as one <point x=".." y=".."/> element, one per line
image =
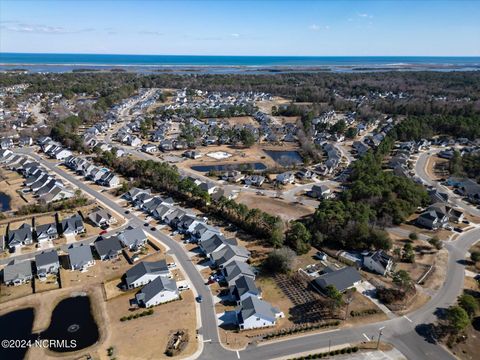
<point x="236" y="268"/>
<point x="74" y="222"/>
<point x="154" y="267"/>
<point x="133" y="236"/>
<point x="108" y="247"/>
<point x="18" y="236"/>
<point x="46" y="258"/>
<point x="342" y="279"/>
<point x="79" y="256"/>
<point x="253" y="306"/>
<point x="244" y="285"/>
<point x="17" y="270"/>
<point x="155" y="287"/>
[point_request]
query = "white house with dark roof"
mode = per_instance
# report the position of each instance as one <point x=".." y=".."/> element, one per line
<point x="342" y="279"/>
<point x="145" y="272"/>
<point x="253" y="313"/>
<point x="72" y="225"/>
<point x="158" y="291"/>
<point x="47" y="263"/>
<point x="229" y="253"/>
<point x="378" y="262"/>
<point x="17" y="273"/>
<point x="133" y="238"/>
<point x="244" y="287"/>
<point x="80" y="257"/>
<point x="46" y="232"/>
<point x="101" y="217"/>
<point x="20" y="237"/>
<point x="235" y="269"/>
<point x="108" y="248"/>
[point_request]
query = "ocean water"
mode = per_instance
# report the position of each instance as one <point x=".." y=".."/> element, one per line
<point x="68" y="62"/>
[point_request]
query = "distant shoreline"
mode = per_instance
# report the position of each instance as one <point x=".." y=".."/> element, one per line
<point x="233" y="64"/>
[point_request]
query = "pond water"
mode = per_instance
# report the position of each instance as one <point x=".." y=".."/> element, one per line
<point x="226" y="167"/>
<point x="285" y="158"/>
<point x="16" y="325"/>
<point x="4" y="202"/>
<point x="72" y="319"/>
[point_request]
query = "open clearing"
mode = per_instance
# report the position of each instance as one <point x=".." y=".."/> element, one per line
<point x="287" y="211"/>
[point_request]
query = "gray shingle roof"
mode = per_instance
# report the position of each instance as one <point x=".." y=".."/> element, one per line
<point x="46" y="258"/>
<point x="80" y="255"/>
<point x="108" y="247"/>
<point x="342" y="279"/>
<point x="156" y="286"/>
<point x="253" y="306"/>
<point x="154" y="267"/>
<point x="17" y="270"/>
<point x="133" y="236"/>
<point x="244" y="285"/>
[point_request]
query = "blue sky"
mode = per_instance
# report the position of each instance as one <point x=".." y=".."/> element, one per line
<point x="328" y="28"/>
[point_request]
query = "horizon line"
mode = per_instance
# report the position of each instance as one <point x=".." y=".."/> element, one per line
<point x="223" y="55"/>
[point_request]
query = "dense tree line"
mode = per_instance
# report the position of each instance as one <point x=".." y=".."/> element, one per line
<point x="165" y="178"/>
<point x="448" y="93"/>
<point x="467" y="165"/>
<point x="375" y="198"/>
<point x="65" y="131"/>
<point x="421" y="127"/>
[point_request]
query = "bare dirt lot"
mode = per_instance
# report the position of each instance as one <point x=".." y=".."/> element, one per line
<point x="147" y="337"/>
<point x="287" y="211"/>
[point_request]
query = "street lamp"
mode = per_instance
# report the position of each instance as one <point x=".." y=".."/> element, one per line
<point x="380" y="332"/>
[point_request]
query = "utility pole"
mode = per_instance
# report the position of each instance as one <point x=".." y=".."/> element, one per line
<point x="329" y="344"/>
<point x="380" y="332"/>
<point x="348" y="300"/>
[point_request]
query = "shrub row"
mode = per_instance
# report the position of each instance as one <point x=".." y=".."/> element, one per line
<point x="137" y="315"/>
<point x="291" y="331"/>
<point x="365" y="312"/>
<point x="347" y="350"/>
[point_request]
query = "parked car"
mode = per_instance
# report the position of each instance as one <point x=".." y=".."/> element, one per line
<point x="103" y="232"/>
<point x="199" y="298"/>
<point x="183" y="287"/>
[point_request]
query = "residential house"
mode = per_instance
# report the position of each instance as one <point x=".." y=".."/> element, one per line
<point x="133" y="238"/>
<point x="378" y="262"/>
<point x="72" y="225"/>
<point x="101" y="217"/>
<point x="80" y="257"/>
<point x="228" y="253"/>
<point x="235" y="269"/>
<point x="208" y="187"/>
<point x="20" y="237"/>
<point x="17" y="273"/>
<point x="342" y="279"/>
<point x="320" y="192"/>
<point x="108" y="248"/>
<point x="145" y="272"/>
<point x="47" y="263"/>
<point x="255" y="180"/>
<point x="471" y="190"/>
<point x="285" y="178"/>
<point x="253" y="313"/>
<point x="244" y="287"/>
<point x="158" y="291"/>
<point x="46" y="232"/>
